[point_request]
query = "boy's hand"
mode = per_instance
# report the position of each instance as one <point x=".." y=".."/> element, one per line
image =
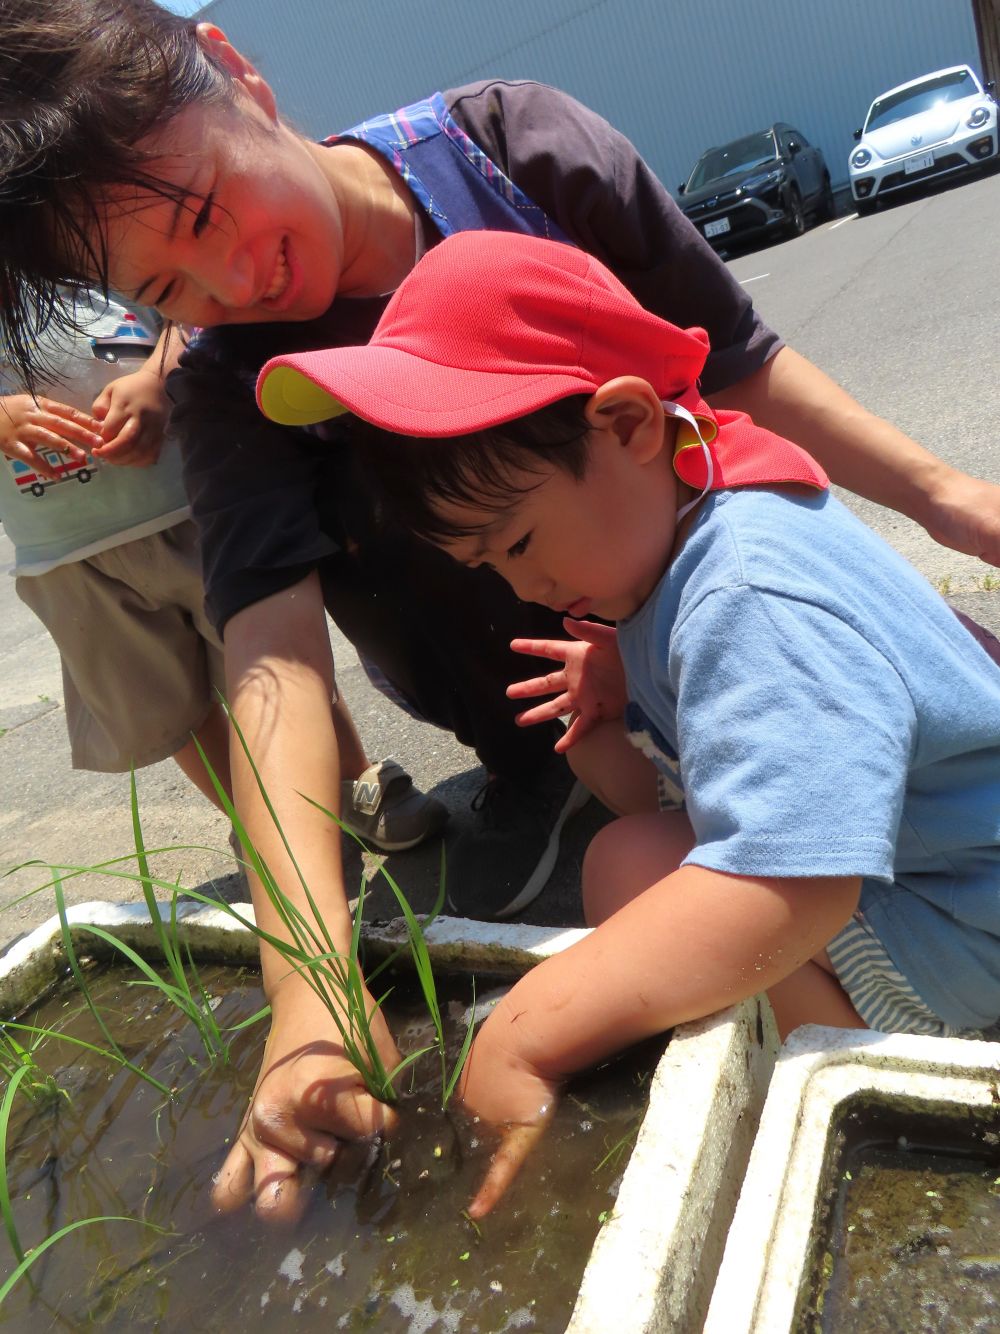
<point x="500" y="1088"/>
<point x="308" y="1098"/>
<point x="590" y="686"/>
<point x="27" y="426"/>
<point x="133" y="411"/>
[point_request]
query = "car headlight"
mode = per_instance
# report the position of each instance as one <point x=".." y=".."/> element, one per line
<point x="860" y="157"/>
<point x="979" y="117"/>
<point x="753" y="183"/>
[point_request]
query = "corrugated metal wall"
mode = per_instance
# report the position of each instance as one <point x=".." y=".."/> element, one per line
<point x="675" y="75"/>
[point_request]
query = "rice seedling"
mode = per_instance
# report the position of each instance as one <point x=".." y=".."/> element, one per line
<point x="335" y="976"/>
<point x="308" y="948"/>
<point x="305" y="944"/>
<point x="14" y="1055"/>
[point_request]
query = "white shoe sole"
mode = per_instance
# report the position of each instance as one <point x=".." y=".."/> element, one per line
<point x="539" y="878"/>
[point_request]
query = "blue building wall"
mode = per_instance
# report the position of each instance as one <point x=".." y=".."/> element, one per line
<point x="675" y="75"/>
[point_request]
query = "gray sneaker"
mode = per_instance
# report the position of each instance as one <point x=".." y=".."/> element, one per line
<point x="504" y="860"/>
<point x="384" y="808"/>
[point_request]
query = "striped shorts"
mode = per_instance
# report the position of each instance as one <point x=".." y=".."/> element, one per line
<point x="878" y="990"/>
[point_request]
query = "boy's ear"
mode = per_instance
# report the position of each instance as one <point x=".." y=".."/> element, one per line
<point x="631" y="408"/>
<point x="216" y="44"/>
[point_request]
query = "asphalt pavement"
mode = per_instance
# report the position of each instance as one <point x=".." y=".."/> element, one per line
<point x="900" y="308"/>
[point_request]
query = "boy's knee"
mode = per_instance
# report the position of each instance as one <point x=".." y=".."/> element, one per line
<point x="599" y="879"/>
<point x="616" y="773"/>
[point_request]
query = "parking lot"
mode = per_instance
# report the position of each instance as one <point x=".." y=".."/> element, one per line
<point x="900" y="308"/>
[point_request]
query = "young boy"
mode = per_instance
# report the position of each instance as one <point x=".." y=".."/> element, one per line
<point x="825" y="817"/>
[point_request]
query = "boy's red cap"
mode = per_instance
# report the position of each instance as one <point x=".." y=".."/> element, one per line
<point x="490" y="326"/>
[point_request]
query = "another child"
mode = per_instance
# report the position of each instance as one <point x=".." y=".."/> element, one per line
<point x="105" y="551"/>
<point x="107" y="556"/>
<point x="821" y="817"/>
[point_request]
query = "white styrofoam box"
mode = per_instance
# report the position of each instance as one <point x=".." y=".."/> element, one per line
<point x="765" y="1269"/>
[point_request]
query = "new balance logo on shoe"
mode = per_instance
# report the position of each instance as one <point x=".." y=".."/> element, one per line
<point x="366" y="795"/>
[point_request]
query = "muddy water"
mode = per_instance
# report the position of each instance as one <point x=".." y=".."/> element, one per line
<point x="914" y="1238"/>
<point x="384" y="1245"/>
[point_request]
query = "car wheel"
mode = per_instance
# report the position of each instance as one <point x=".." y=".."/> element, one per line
<point x="796" y="213"/>
<point x="825" y="208"/>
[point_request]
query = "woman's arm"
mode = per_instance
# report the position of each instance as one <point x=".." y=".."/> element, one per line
<point x="867" y="454"/>
<point x="279" y="671"/>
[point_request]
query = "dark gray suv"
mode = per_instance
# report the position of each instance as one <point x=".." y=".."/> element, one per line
<point x="765" y="184"/>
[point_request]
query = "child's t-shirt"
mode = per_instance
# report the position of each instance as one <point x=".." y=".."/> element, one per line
<point x="821" y="711"/>
<point x="90" y="506"/>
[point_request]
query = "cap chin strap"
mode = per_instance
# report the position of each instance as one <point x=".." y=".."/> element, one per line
<point x="675" y="410"/>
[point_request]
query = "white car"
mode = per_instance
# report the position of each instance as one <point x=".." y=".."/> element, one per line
<point x="941" y="123"/>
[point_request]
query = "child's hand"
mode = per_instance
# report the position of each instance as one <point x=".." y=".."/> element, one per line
<point x="502" y="1089"/>
<point x="590" y="686"/>
<point x="308" y="1098"/>
<point x="134" y="411"/>
<point x="27" y="427"/>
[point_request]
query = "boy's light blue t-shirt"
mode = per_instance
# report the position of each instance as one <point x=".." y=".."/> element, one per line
<point x="825" y="713"/>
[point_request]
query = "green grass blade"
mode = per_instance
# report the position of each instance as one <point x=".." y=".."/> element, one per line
<point x="463" y="1054"/>
<point x="263" y="1013"/>
<point x="29" y="1260"/>
<point x="142" y="862"/>
<point x="10" y="1227"/>
<point x="115" y="1056"/>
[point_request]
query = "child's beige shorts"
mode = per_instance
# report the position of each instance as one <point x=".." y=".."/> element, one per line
<point x="140" y="661"/>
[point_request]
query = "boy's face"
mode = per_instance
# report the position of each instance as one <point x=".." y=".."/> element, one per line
<point x="261" y="237"/>
<point x="595" y="545"/>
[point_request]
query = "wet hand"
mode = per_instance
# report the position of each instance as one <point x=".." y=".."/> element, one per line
<point x="308" y="1100"/>
<point x="502" y="1090"/>
<point x="590" y="685"/>
<point x="28" y="426"/>
<point x="133" y="412"/>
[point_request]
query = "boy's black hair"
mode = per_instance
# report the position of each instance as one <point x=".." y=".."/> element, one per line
<point x="414" y="476"/>
<point x="82" y="82"/>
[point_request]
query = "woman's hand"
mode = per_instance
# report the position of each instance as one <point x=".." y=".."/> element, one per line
<point x="308" y="1098"/>
<point x="590" y="685"/>
<point x="964" y="513"/>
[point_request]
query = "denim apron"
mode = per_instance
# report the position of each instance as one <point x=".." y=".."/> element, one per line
<point x="452" y="179"/>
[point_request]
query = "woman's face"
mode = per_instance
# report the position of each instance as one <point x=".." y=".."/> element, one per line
<point x="258" y="235"/>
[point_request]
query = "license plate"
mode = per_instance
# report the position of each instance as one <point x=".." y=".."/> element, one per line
<point x="919" y="163"/>
<point x="717" y="228"/>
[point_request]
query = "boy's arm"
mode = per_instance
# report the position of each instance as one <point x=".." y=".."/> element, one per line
<point x="134" y="409"/>
<point x="693" y="943"/>
<point x="867" y="454"/>
<point x="280" y="682"/>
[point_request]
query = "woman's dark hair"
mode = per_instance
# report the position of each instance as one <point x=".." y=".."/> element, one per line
<point x="414" y="476"/>
<point x="82" y="83"/>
